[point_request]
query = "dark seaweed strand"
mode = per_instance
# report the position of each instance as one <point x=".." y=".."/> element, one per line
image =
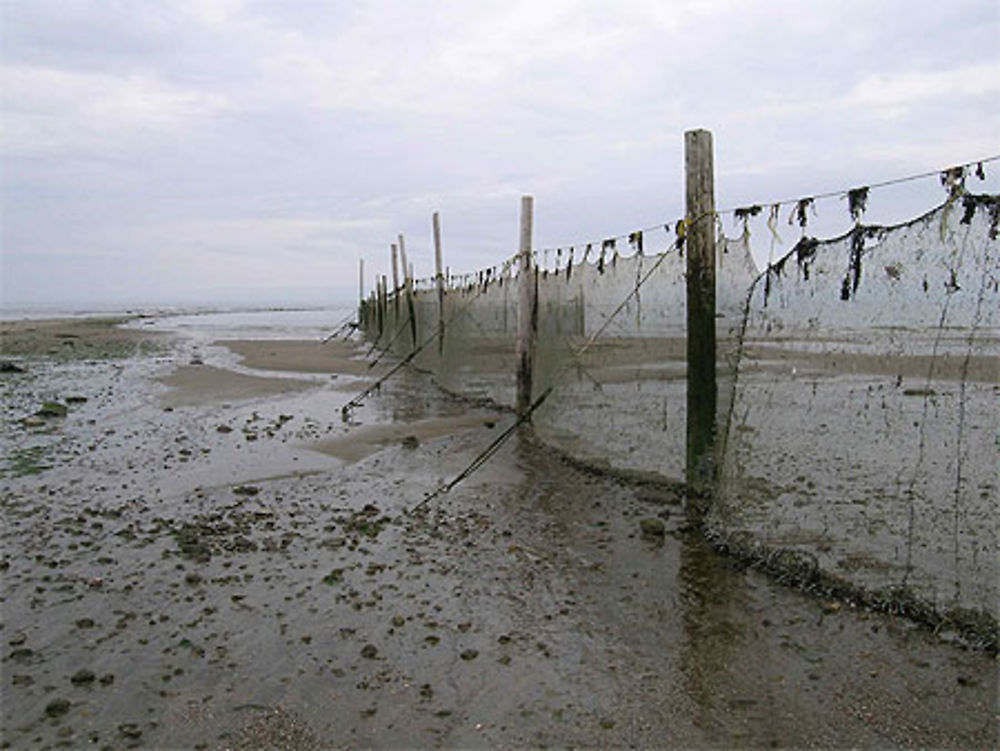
<point x="953" y="179"/>
<point x="744" y="214"/>
<point x="857" y="202"/>
<point x="972" y="202"/>
<point x="853" y="276"/>
<point x="805" y="253"/>
<point x="635" y="240"/>
<point x="799" y="214"/>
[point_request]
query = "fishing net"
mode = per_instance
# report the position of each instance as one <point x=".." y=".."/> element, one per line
<point x="611" y="343"/>
<point x="857" y="386"/>
<point x="863" y="419"/>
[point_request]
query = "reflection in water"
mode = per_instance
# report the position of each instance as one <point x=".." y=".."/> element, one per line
<point x="715" y="603"/>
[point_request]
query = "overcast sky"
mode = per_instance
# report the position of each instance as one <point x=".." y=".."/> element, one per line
<point x="165" y="151"/>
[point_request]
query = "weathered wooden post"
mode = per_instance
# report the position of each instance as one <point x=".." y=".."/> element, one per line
<point x="395" y="279"/>
<point x="381" y="307"/>
<point x="527" y="309"/>
<point x="702" y="391"/>
<point x="439" y="278"/>
<point x="362" y="313"/>
<point x="407" y="284"/>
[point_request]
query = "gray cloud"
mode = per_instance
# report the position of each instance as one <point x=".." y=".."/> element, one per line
<point x="220" y="150"/>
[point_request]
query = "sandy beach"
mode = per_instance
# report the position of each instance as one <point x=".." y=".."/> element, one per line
<point x="199" y="551"/>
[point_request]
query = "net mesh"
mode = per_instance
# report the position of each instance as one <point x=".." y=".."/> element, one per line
<point x="858" y="382"/>
<point x="863" y="420"/>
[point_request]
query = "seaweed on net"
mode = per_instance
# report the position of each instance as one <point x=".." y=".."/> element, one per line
<point x="853" y="277"/>
<point x="971" y="202"/>
<point x="805" y="254"/>
<point x="635" y="240"/>
<point x="953" y="179"/>
<point x="680" y="230"/>
<point x="799" y="213"/>
<point x="857" y="202"/>
<point x="605" y="246"/>
<point x="859" y="235"/>
<point x="744" y="214"/>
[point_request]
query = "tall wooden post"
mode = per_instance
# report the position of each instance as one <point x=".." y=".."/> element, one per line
<point x="408" y="288"/>
<point x="439" y="278"/>
<point x="527" y="311"/>
<point x="702" y="391"/>
<point x="395" y="278"/>
<point x="381" y="306"/>
<point x="361" y="293"/>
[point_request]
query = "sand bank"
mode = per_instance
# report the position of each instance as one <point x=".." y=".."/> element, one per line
<point x="204" y="384"/>
<point x="75" y="339"/>
<point x="368" y="439"/>
<point x="301" y="356"/>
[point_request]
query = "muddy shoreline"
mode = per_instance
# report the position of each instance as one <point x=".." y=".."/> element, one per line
<point x="239" y="568"/>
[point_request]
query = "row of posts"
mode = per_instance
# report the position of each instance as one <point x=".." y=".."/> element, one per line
<point x="699" y="248"/>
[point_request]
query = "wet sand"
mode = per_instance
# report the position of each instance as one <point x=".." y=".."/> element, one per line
<point x="228" y="572"/>
<point x="204" y="384"/>
<point x="74" y="339"/>
<point x="334" y="357"/>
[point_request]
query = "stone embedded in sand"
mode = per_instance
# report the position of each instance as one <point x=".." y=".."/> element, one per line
<point x="17" y="639"/>
<point x="369" y="651"/>
<point x="33" y="422"/>
<point x="192" y="577"/>
<point x="57" y="707"/>
<point x="76" y="400"/>
<point x="246" y="490"/>
<point x="52" y="409"/>
<point x="10" y="367"/>
<point x="130" y="730"/>
<point x="469" y="654"/>
<point x="652" y="527"/>
<point x="85" y="623"/>
<point x="411" y="442"/>
<point x="224" y="429"/>
<point x="83" y="676"/>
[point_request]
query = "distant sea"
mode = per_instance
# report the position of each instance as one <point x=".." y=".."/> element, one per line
<point x="243" y="321"/>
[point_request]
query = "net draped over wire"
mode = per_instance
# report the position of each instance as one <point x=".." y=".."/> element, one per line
<point x="858" y="382"/>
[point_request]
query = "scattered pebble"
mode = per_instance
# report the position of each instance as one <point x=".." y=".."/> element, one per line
<point x="130" y="730"/>
<point x="82" y="676"/>
<point x="652" y="527"/>
<point x="57" y="707"/>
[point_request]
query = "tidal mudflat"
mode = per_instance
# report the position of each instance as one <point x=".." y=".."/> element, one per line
<point x="201" y="553"/>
